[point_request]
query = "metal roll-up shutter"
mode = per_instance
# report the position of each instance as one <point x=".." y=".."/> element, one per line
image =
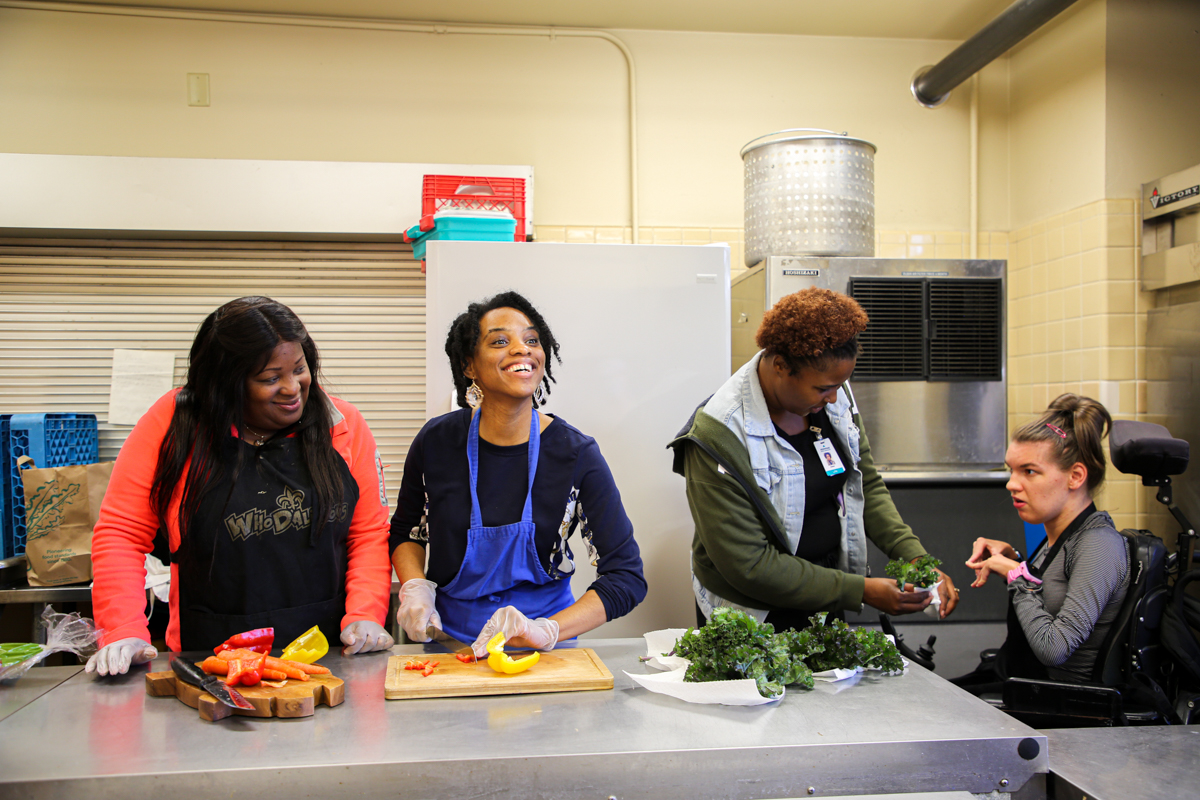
<point x="66" y="304"/>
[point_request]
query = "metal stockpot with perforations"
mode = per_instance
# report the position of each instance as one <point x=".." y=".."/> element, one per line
<point x="809" y="192"/>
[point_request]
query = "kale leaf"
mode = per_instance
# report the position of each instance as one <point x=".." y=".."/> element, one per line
<point x="920" y="573"/>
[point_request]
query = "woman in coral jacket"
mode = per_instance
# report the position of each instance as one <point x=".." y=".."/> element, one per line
<point x="270" y="493"/>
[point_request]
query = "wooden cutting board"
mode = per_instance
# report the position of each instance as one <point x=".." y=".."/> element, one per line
<point x="296" y="699"/>
<point x="567" y="670"/>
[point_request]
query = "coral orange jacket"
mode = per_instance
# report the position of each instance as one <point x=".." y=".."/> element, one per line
<point x="127" y="526"/>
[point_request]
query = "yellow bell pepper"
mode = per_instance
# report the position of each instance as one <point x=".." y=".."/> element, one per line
<point x="308" y="647"/>
<point x="502" y="662"/>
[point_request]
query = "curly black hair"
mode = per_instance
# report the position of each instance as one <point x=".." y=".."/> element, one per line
<point x="463" y="338"/>
<point x="812" y="328"/>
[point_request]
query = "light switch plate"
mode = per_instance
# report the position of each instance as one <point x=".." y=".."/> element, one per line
<point x="197" y="85"/>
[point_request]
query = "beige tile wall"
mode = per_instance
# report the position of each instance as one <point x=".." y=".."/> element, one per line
<point x="1076" y="314"/>
<point x="1077" y="323"/>
<point x="888" y="244"/>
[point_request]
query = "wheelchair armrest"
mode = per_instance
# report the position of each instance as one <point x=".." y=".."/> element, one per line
<point x="1045" y="697"/>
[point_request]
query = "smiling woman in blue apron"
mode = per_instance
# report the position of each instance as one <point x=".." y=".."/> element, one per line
<point x="270" y="494"/>
<point x="496" y="490"/>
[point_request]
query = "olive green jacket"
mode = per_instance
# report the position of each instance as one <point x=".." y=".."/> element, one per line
<point x="740" y="550"/>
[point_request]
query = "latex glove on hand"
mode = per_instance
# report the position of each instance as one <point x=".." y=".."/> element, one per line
<point x="519" y="631"/>
<point x="417" y="611"/>
<point x="115" y="658"/>
<point x="365" y="636"/>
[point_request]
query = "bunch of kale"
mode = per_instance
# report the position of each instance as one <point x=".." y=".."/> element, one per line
<point x="734" y="645"/>
<point x="920" y="573"/>
<point x="838" y="646"/>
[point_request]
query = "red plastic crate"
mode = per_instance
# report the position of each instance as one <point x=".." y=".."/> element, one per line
<point x="468" y="193"/>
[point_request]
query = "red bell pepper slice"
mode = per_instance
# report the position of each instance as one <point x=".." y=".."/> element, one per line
<point x="259" y="640"/>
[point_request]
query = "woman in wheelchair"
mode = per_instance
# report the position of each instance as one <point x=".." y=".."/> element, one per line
<point x="1064" y="598"/>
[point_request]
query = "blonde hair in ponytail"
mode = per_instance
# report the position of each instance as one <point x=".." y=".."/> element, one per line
<point x="1075" y="427"/>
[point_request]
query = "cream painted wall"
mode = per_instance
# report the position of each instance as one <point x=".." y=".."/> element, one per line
<point x="704" y="96"/>
<point x="1057" y="115"/>
<point x="1153" y="103"/>
<point x="100" y="85"/>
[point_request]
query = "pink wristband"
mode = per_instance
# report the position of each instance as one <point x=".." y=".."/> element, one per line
<point x="1022" y="571"/>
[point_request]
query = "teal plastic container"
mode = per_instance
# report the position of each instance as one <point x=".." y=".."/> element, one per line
<point x="475" y="229"/>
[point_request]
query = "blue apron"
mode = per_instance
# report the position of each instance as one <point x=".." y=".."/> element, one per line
<point x="501" y="566"/>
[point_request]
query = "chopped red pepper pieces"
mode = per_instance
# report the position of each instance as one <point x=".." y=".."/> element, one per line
<point x="245" y="671"/>
<point x="465" y="657"/>
<point x="426" y="668"/>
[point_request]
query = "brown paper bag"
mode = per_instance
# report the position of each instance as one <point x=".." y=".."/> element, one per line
<point x="62" y="505"/>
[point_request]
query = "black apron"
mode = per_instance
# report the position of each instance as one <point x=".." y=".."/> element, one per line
<point x="250" y="559"/>
<point x="1016" y="658"/>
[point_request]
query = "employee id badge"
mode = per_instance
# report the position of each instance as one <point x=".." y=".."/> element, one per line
<point x="829" y="457"/>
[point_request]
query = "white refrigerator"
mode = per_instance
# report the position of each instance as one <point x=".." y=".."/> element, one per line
<point x="644" y="337"/>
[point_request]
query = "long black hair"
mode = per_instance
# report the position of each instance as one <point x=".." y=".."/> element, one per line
<point x="233" y="343"/>
<point x="463" y="338"/>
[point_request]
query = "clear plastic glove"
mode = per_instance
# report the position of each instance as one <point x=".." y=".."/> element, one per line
<point x="417" y="611"/>
<point x="518" y="629"/>
<point x="365" y="636"/>
<point x="115" y="659"/>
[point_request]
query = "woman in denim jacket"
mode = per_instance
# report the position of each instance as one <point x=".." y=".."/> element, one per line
<point x="783" y="491"/>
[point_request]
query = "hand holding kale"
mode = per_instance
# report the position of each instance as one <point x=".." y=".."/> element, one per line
<point x="921" y="573"/>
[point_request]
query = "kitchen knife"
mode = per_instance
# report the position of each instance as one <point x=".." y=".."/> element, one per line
<point x="449" y="642"/>
<point x="192" y="674"/>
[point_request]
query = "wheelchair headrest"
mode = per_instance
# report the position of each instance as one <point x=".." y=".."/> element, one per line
<point x="1146" y="449"/>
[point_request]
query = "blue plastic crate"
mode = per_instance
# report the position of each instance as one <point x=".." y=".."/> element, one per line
<point x="465" y="228"/>
<point x="51" y="440"/>
<point x="6" y="478"/>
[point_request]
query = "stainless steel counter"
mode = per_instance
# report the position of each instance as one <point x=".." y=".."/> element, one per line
<point x="915" y="733"/>
<point x="1119" y="763"/>
<point x="15" y="695"/>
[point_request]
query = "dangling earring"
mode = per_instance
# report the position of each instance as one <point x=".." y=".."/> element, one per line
<point x="538" y="396"/>
<point x="474" y="395"/>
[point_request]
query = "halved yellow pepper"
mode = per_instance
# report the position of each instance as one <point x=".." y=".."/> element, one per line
<point x="502" y="662"/>
<point x="308" y="647"/>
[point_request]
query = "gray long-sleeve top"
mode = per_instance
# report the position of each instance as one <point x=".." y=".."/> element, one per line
<point x="1067" y="618"/>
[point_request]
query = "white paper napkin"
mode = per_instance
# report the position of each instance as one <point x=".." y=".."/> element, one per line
<point x="742" y="692"/>
<point x="933" y="609"/>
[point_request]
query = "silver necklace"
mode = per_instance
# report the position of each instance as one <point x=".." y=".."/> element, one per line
<point x="259" y="438"/>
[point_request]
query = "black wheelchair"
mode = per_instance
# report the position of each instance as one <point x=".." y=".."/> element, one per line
<point x="1148" y="669"/>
